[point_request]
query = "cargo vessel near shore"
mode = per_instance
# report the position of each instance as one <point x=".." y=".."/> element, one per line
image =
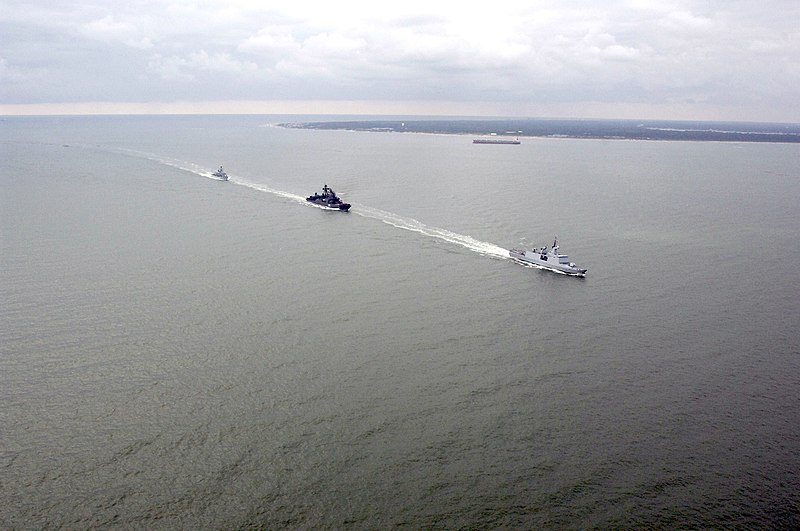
<point x="495" y="140"/>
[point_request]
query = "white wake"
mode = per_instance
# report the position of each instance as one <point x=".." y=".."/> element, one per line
<point x="413" y="225"/>
<point x="395" y="220"/>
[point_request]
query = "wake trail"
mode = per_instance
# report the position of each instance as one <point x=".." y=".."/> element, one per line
<point x="413" y="225"/>
<point x="395" y="220"/>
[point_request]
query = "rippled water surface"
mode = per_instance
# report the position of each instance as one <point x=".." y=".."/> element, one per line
<point x="180" y="352"/>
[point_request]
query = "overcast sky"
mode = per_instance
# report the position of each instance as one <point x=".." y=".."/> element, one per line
<point x="693" y="59"/>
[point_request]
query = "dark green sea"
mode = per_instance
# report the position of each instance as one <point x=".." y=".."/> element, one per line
<point x="178" y="352"/>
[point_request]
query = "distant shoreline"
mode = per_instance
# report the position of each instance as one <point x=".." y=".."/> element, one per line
<point x="574" y="129"/>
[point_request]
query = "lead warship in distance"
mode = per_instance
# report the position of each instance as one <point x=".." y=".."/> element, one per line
<point x="220" y="174"/>
<point x="328" y="199"/>
<point x="549" y="259"/>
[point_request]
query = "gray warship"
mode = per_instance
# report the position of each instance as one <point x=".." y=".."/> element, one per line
<point x="220" y="174"/>
<point x="549" y="259"/>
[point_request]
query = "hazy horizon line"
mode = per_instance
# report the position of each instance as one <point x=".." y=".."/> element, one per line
<point x="584" y="110"/>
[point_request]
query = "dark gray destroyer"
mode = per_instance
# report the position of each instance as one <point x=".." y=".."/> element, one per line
<point x="328" y="199"/>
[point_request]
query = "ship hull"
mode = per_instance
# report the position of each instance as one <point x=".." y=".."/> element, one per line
<point x="341" y="207"/>
<point x="492" y="141"/>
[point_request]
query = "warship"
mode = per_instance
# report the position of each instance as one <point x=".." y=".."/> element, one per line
<point x="328" y="199"/>
<point x="220" y="174"/>
<point x="548" y="259"/>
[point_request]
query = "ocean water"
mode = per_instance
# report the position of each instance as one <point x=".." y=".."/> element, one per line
<point x="180" y="352"/>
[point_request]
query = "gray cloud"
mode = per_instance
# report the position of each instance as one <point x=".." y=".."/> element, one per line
<point x="733" y="54"/>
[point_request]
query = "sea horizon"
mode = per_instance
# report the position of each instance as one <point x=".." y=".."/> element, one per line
<point x="534" y="127"/>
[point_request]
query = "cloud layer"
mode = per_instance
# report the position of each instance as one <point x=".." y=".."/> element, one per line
<point x="530" y="54"/>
